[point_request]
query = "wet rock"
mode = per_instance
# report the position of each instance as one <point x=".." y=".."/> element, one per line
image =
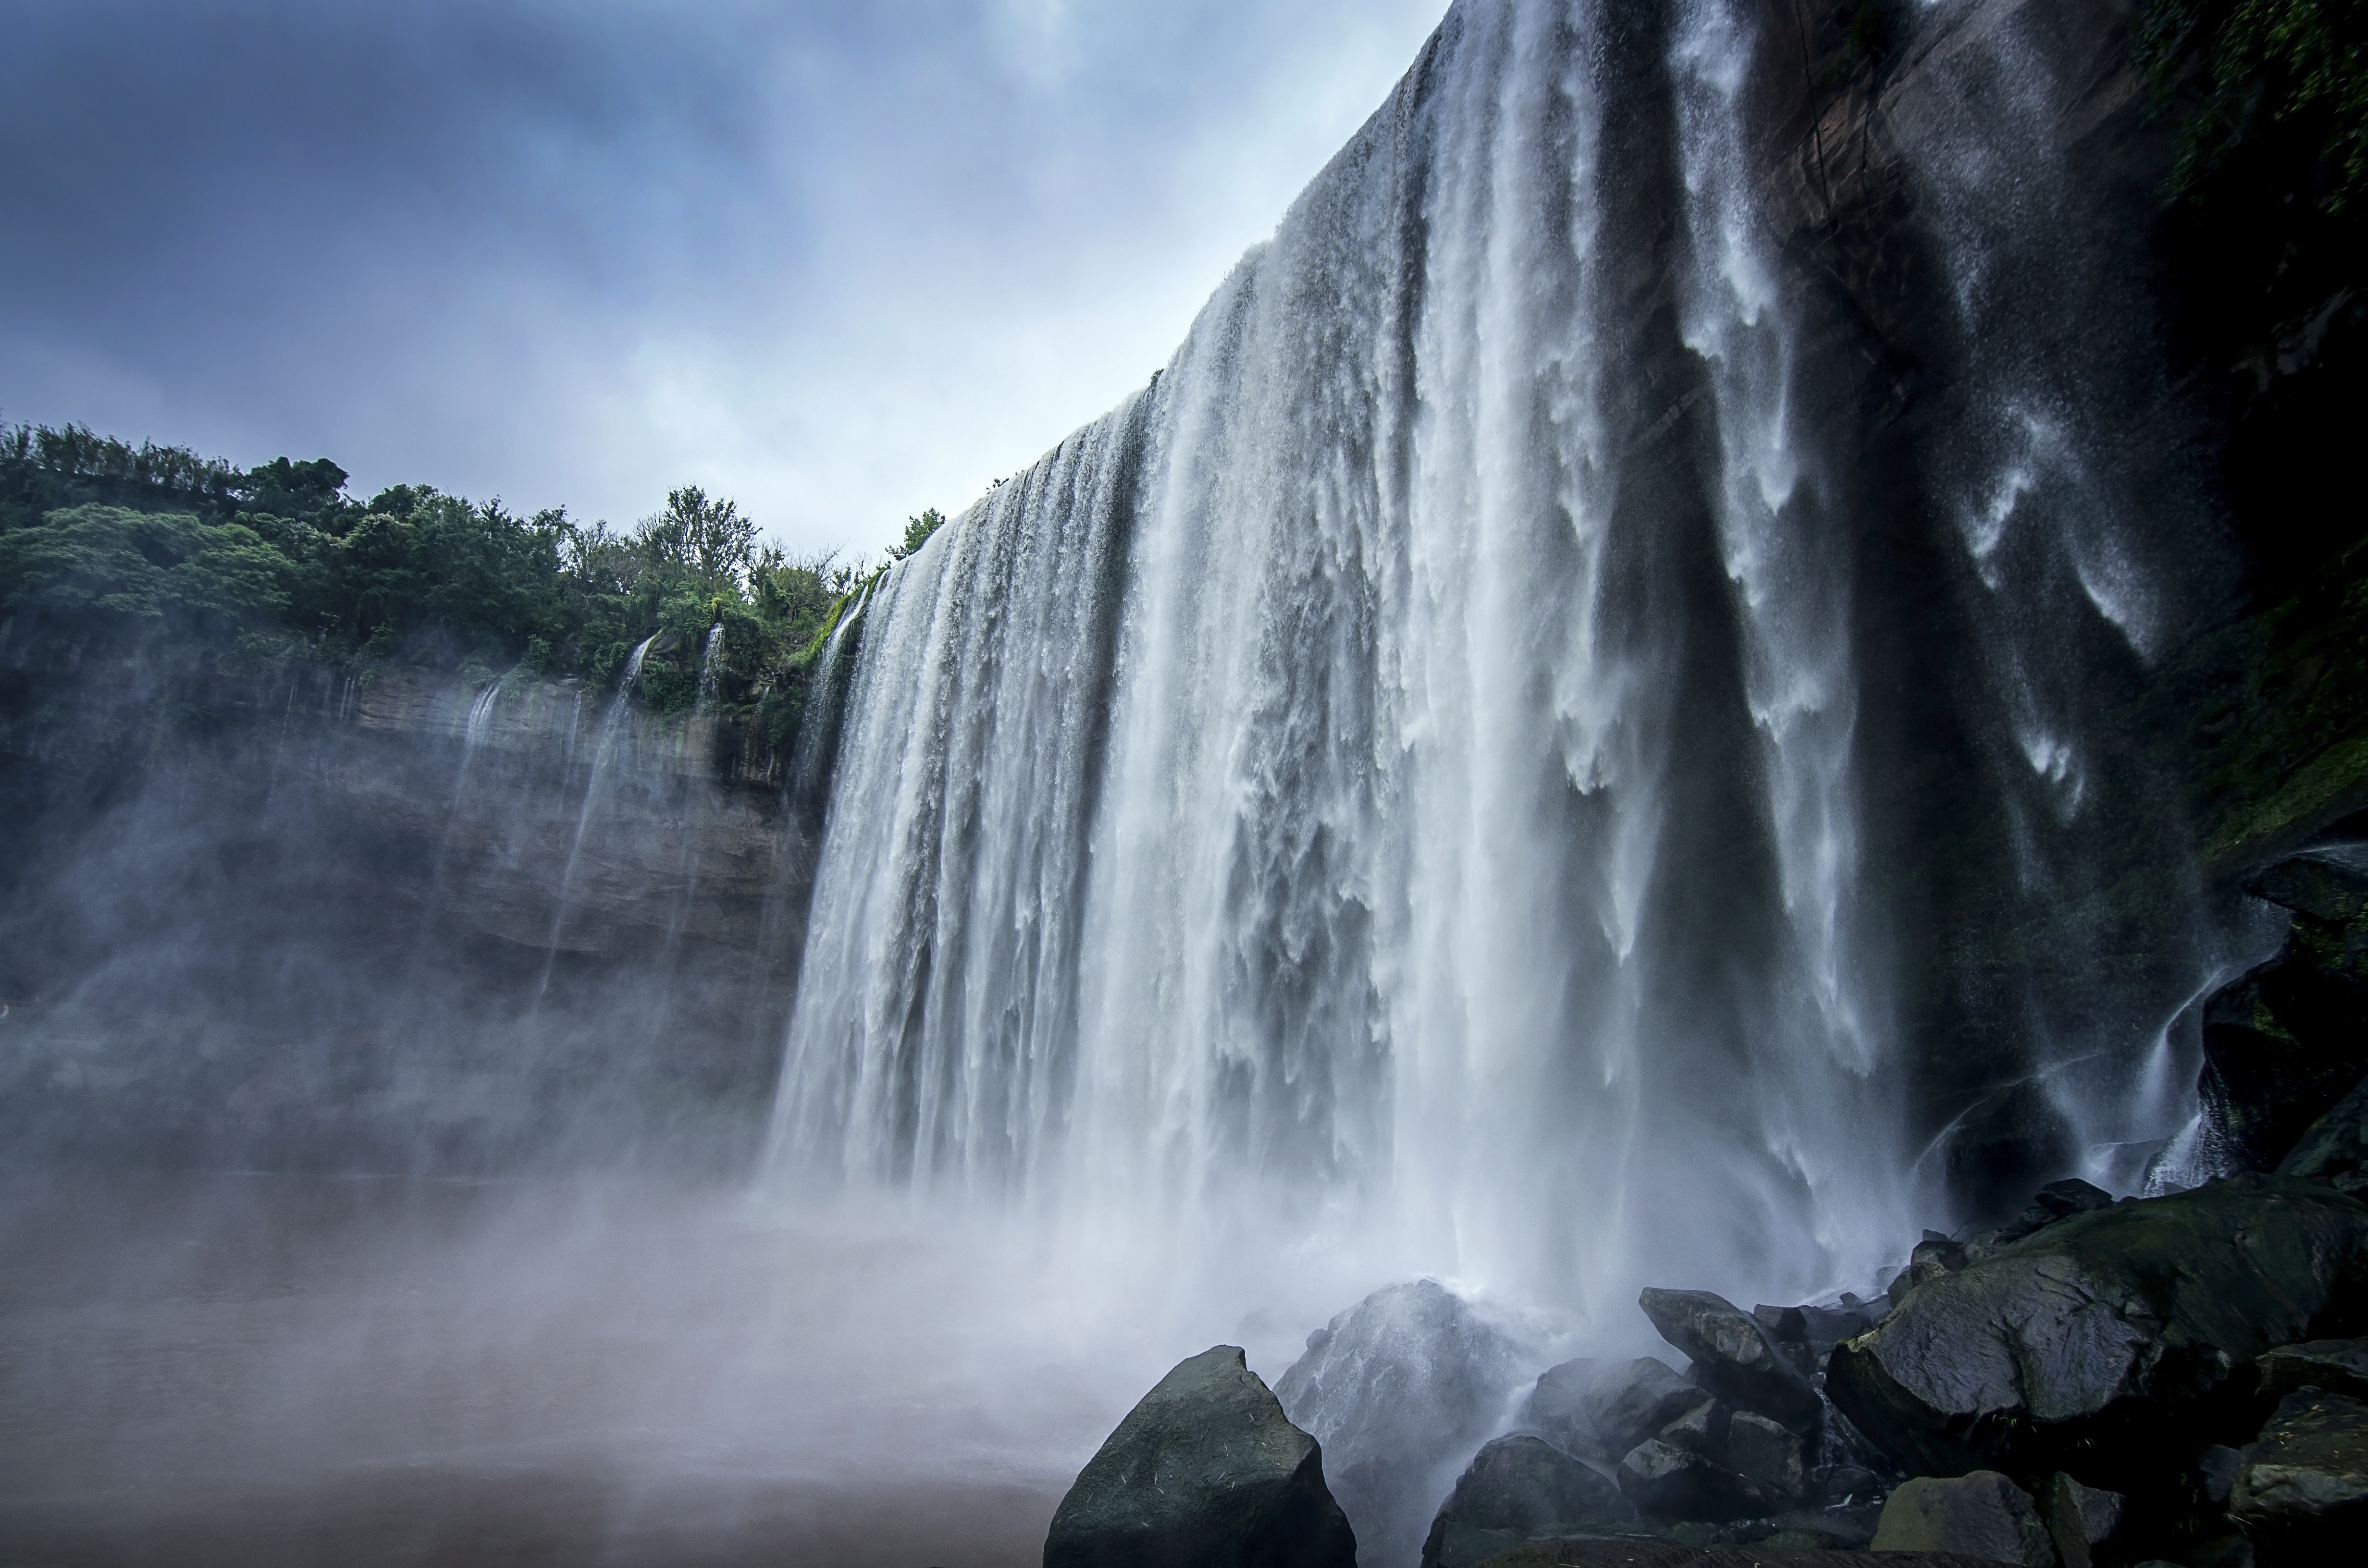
<point x="2284" y="1044"/>
<point x="1403" y="1390"/>
<point x="2304" y="1486"/>
<point x="2337" y="1366"/>
<point x="2079" y="1518"/>
<point x="1935" y="1256"/>
<point x="2335" y="1148"/>
<point x="1840" y="1528"/>
<point x="1602" y="1409"/>
<point x="1765" y="1453"/>
<point x="1597" y="1552"/>
<point x="1665" y="1482"/>
<point x="1983" y="1515"/>
<point x="1517" y="1487"/>
<point x="1204" y="1470"/>
<point x="1557" y="1404"/>
<point x="2110" y="1340"/>
<point x="2218" y="1465"/>
<point x="1702" y="1430"/>
<point x="1734" y="1354"/>
<point x="1840" y="1484"/>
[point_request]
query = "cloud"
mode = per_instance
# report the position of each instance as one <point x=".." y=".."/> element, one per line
<point x="842" y="261"/>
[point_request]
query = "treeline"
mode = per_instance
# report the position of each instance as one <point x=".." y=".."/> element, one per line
<point x="277" y="561"/>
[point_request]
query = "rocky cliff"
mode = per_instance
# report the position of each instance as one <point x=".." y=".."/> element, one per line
<point x="293" y="915"/>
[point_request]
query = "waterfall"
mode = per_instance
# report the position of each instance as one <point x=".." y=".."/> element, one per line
<point x="1400" y="782"/>
<point x="612" y="728"/>
<point x="711" y="666"/>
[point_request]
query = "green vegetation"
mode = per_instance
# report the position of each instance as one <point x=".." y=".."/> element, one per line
<point x="917" y="531"/>
<point x="100" y="538"/>
<point x="2243" y="71"/>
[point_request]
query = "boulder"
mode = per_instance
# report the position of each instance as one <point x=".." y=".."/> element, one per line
<point x="2079" y="1518"/>
<point x="1602" y="1409"/>
<point x="2335" y="1148"/>
<point x="1205" y="1470"/>
<point x="1402" y="1388"/>
<point x="1766" y="1453"/>
<point x="1517" y="1487"/>
<point x="2337" y="1366"/>
<point x="2303" y="1485"/>
<point x="1934" y="1255"/>
<point x="1702" y="1430"/>
<point x="2109" y="1341"/>
<point x="2056" y="1200"/>
<point x="2284" y="1043"/>
<point x="1983" y="1515"/>
<point x="1734" y="1356"/>
<point x="1588" y="1552"/>
<point x="1665" y="1482"/>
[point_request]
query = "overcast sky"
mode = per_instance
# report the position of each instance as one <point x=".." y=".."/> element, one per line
<point x="839" y="260"/>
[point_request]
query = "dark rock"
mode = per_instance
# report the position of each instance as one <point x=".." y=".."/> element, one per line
<point x="1835" y="1529"/>
<point x="1404" y="1388"/>
<point x="2304" y="1487"/>
<point x="1557" y="1404"/>
<point x="1734" y="1356"/>
<point x="1594" y="1551"/>
<point x="1934" y="1256"/>
<point x="1205" y="1469"/>
<point x="1765" y="1453"/>
<point x="2218" y="1464"/>
<point x="2109" y="1339"/>
<point x="1702" y="1430"/>
<point x="1602" y="1409"/>
<point x="1983" y="1515"/>
<point x="2326" y="884"/>
<point x="1517" y="1487"/>
<point x="2284" y="1043"/>
<point x="2337" y="1366"/>
<point x="2335" y="1148"/>
<point x="1667" y="1482"/>
<point x="1840" y="1484"/>
<point x="2079" y="1518"/>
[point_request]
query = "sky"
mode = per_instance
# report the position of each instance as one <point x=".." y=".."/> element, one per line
<point x="839" y="261"/>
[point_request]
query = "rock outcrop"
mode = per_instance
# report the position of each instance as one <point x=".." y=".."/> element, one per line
<point x="1518" y="1487"/>
<point x="1205" y="1472"/>
<point x="2107" y="1340"/>
<point x="1401" y="1390"/>
<point x="2335" y="1148"/>
<point x="2284" y="1044"/>
<point x="2080" y="1519"/>
<point x="1602" y="1409"/>
<point x="1983" y="1515"/>
<point x="1734" y="1356"/>
<point x="2303" y="1487"/>
<point x="404" y="921"/>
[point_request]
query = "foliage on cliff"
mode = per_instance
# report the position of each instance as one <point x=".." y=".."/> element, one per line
<point x="99" y="538"/>
<point x="2264" y="240"/>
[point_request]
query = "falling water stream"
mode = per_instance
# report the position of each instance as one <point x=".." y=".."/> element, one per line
<point x="1475" y="770"/>
<point x="1394" y="791"/>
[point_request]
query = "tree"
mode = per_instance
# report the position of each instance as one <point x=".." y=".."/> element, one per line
<point x="917" y="533"/>
<point x="703" y="545"/>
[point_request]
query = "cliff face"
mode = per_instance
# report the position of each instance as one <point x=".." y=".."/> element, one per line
<point x="291" y="917"/>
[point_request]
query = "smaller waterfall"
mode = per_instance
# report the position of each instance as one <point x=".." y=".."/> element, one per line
<point x="711" y="666"/>
<point x="611" y="729"/>
<point x="481" y="717"/>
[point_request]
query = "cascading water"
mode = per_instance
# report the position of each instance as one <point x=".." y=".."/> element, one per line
<point x="612" y="728"/>
<point x="1398" y="785"/>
